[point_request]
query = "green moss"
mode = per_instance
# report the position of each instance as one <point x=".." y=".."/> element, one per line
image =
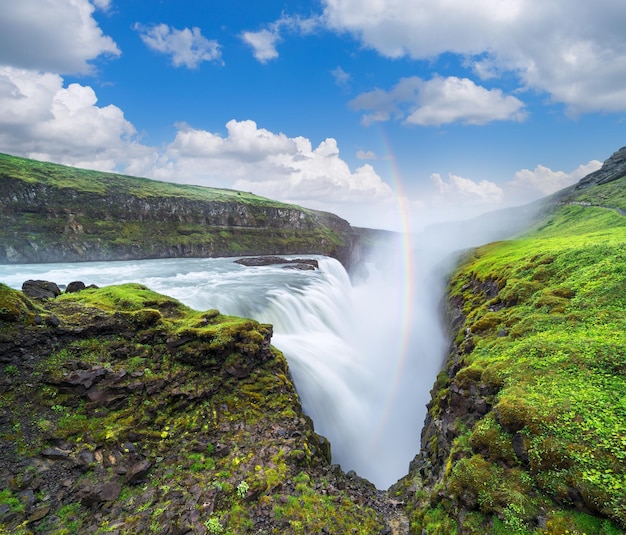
<point x="14" y="306"/>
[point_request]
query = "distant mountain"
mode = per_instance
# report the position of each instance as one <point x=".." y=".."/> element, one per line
<point x="55" y="213"/>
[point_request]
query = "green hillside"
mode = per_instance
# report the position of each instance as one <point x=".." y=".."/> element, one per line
<point x="56" y="213"/>
<point x="85" y="180"/>
<point x="534" y="392"/>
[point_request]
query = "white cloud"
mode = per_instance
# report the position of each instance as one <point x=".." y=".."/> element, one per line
<point x="383" y="105"/>
<point x="40" y="118"/>
<point x="103" y="5"/>
<point x="438" y="101"/>
<point x="452" y="99"/>
<point x="366" y="155"/>
<point x="244" y="142"/>
<point x="254" y="159"/>
<point x="60" y="36"/>
<point x="529" y="185"/>
<point x="187" y="47"/>
<point x="263" y="44"/>
<point x="465" y="191"/>
<point x="571" y="49"/>
<point x="342" y="78"/>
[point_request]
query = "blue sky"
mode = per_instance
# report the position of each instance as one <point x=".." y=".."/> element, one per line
<point x="372" y="109"/>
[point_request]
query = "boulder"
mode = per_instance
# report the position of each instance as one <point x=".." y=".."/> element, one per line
<point x="304" y="264"/>
<point x="38" y="289"/>
<point x="75" y="286"/>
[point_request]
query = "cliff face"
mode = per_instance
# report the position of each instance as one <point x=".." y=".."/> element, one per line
<point x="54" y="213"/>
<point x="525" y="431"/>
<point x="123" y="411"/>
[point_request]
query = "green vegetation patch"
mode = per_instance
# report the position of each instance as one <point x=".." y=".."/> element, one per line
<point x="546" y="328"/>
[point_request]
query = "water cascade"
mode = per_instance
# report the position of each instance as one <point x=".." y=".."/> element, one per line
<point x="363" y="357"/>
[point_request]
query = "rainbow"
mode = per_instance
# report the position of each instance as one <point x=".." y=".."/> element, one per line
<point x="408" y="285"/>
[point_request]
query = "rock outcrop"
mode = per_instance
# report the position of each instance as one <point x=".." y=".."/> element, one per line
<point x="123" y="411"/>
<point x="612" y="169"/>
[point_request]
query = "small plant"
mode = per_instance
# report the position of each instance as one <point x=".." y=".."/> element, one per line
<point x="242" y="489"/>
<point x="214" y="526"/>
<point x="11" y="369"/>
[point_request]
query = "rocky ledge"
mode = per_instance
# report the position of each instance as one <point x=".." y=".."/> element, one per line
<point x="123" y="411"/>
<point x="304" y="264"/>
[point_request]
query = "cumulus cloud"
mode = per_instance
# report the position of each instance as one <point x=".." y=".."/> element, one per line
<point x="254" y="159"/>
<point x="529" y="185"/>
<point x="452" y="99"/>
<point x="60" y="36"/>
<point x="187" y="47"/>
<point x="438" y="101"/>
<point x="40" y="118"/>
<point x="263" y="42"/>
<point x="573" y="50"/>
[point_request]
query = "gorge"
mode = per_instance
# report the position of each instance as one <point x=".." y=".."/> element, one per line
<point x="524" y="427"/>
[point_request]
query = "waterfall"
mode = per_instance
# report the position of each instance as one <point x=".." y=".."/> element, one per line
<point x="362" y="362"/>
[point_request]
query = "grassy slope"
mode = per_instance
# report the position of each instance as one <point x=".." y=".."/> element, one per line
<point x="64" y="177"/>
<point x="552" y="344"/>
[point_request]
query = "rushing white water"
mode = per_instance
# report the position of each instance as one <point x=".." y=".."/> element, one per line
<point x="363" y="360"/>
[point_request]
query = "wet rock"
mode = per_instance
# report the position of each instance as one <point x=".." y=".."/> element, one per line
<point x="298" y="263"/>
<point x="138" y="471"/>
<point x="75" y="286"/>
<point x="55" y="453"/>
<point x="38" y="289"/>
<point x="302" y="266"/>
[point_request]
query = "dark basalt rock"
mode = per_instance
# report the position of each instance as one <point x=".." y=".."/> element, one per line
<point x="75" y="286"/>
<point x="305" y="264"/>
<point x="37" y="289"/>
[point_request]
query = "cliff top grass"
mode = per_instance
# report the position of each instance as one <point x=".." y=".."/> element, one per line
<point x="103" y="183"/>
<point x="550" y="457"/>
